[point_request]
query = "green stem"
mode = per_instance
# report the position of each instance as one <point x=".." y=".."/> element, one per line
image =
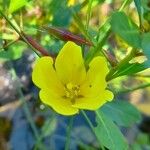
<point x="26" y="109"/>
<point x="149" y="139"/>
<point x="120" y="9"/>
<point x="140" y="75"/>
<point x="9" y="44"/>
<point x="85" y="146"/>
<point x="88" y="120"/>
<point x="19" y="33"/>
<point x="81" y="26"/>
<point x="102" y="121"/>
<point x="134" y="88"/>
<point x="68" y="137"/>
<point x="124" y="5"/>
<point x="91" y="126"/>
<point x="42" y="135"/>
<point x="104" y="37"/>
<point x="88" y="14"/>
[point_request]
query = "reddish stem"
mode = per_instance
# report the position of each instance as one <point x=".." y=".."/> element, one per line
<point x="66" y="35"/>
<point x="37" y="46"/>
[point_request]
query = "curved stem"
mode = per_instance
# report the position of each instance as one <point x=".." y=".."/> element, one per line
<point x="88" y="14"/>
<point x="9" y="44"/>
<point x="124" y="4"/>
<point x="91" y="126"/>
<point x="26" y="109"/>
<point x="135" y="88"/>
<point x="68" y="137"/>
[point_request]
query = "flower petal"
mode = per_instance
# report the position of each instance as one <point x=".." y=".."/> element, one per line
<point x="95" y="102"/>
<point x="95" y="82"/>
<point x="59" y="104"/>
<point x="70" y="64"/>
<point x="71" y="3"/>
<point x="44" y="75"/>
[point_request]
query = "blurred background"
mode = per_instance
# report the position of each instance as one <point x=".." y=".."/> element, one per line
<point x="25" y="123"/>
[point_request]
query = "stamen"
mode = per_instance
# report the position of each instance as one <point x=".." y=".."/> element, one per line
<point x="72" y="91"/>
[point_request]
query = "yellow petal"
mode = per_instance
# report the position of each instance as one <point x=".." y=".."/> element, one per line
<point x="71" y="3"/>
<point x="59" y="104"/>
<point x="95" y="80"/>
<point x="95" y="102"/>
<point x="44" y="75"/>
<point x="70" y="64"/>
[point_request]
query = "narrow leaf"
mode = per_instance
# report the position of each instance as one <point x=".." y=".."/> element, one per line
<point x="146" y="46"/>
<point x="129" y="69"/>
<point x="139" y="9"/>
<point x="16" y="4"/>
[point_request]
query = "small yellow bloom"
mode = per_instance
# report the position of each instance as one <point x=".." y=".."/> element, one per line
<point x="71" y="3"/>
<point x="66" y="86"/>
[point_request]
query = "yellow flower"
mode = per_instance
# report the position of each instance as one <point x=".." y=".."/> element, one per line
<point x="66" y="86"/>
<point x="71" y="3"/>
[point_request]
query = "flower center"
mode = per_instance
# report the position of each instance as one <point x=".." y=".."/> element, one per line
<point x="72" y="91"/>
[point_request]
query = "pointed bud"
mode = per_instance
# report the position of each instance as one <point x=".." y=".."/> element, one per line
<point x="67" y="35"/>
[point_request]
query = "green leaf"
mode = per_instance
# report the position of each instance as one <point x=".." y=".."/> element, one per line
<point x="146" y="46"/>
<point x="16" y="4"/>
<point x="146" y="10"/>
<point x="136" y="146"/>
<point x="143" y="138"/>
<point x="130" y="68"/>
<point x="139" y="9"/>
<point x="61" y="13"/>
<point x="124" y="27"/>
<point x="108" y="133"/>
<point x="13" y="52"/>
<point x="121" y="112"/>
<point x="101" y="38"/>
